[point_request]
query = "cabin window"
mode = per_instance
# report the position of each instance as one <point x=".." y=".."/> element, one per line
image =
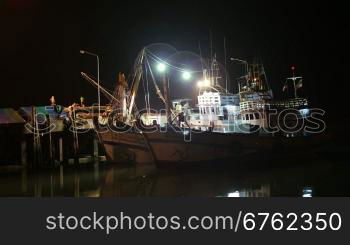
<point x="246" y="117"/>
<point x="256" y="115"/>
<point x="251" y="116"/>
<point x="212" y="110"/>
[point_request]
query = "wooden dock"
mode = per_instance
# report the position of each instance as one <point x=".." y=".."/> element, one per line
<point x="47" y="136"/>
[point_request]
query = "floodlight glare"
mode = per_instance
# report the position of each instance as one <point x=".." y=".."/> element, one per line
<point x="161" y="67"/>
<point x="204" y="83"/>
<point x="186" y="75"/>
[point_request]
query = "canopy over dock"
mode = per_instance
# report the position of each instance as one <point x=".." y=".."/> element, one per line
<point x="10" y="116"/>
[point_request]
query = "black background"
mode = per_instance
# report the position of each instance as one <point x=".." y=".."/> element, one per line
<point x="40" y="43"/>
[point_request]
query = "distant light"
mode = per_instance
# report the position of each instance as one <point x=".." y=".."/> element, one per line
<point x="82" y="51"/>
<point x="307" y="192"/>
<point x="304" y="111"/>
<point x="186" y="75"/>
<point x="293" y="68"/>
<point x="161" y="67"/>
<point x="233" y="194"/>
<point x="200" y="84"/>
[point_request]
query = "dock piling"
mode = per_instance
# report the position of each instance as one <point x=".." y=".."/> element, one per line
<point x="24" y="153"/>
<point x="96" y="155"/>
<point x="60" y="147"/>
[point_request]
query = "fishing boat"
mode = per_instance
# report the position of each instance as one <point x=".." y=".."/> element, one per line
<point x="223" y="128"/>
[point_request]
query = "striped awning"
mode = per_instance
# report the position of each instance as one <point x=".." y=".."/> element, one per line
<point x="10" y="116"/>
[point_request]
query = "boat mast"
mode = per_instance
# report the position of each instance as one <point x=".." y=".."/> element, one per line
<point x="294" y="78"/>
<point x="295" y="89"/>
<point x="135" y="84"/>
<point x="225" y="65"/>
<point x="166" y="97"/>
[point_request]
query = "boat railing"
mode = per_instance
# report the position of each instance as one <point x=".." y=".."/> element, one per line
<point x="253" y="105"/>
<point x="292" y="103"/>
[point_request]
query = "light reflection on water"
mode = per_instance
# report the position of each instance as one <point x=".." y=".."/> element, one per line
<point x="107" y="180"/>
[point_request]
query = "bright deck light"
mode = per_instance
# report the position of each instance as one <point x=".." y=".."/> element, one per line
<point x="186" y="75"/>
<point x="204" y="83"/>
<point x="161" y="67"/>
<point x="307" y="192"/>
<point x="233" y="194"/>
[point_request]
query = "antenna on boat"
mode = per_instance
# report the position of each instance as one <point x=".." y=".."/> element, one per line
<point x="200" y="54"/>
<point x="225" y="64"/>
<point x="294" y="78"/>
<point x="211" y="53"/>
<point x="211" y="44"/>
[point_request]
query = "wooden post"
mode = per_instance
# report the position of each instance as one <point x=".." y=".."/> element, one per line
<point x="61" y="177"/>
<point x="34" y="137"/>
<point x="60" y="147"/>
<point x="76" y="185"/>
<point x="24" y="153"/>
<point x="96" y="172"/>
<point x="96" y="155"/>
<point x="52" y="183"/>
<point x="50" y="139"/>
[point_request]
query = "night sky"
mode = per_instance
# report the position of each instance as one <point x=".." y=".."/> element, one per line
<point x="40" y="43"/>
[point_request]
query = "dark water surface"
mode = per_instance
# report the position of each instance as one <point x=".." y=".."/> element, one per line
<point x="314" y="178"/>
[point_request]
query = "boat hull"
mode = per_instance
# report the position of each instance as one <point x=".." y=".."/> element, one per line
<point x="174" y="149"/>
